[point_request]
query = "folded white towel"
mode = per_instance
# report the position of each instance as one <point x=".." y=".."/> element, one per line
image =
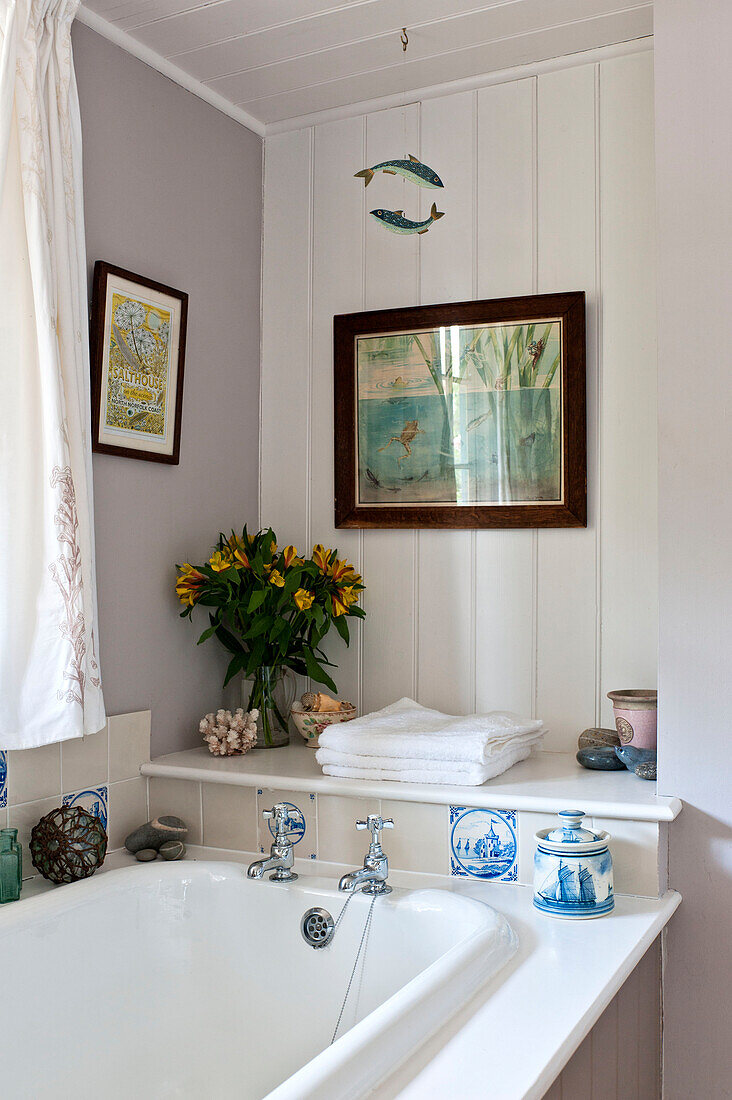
<point x="447" y="773"/>
<point x="408" y="763"/>
<point x="407" y="730"/>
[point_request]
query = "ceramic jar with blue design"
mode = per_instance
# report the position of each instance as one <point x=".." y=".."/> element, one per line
<point x="573" y="870"/>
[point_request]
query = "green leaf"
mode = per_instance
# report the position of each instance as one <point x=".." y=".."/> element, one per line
<point x="315" y="672"/>
<point x="257" y="599"/>
<point x="236" y="664"/>
<point x="227" y="639"/>
<point x="207" y="634"/>
<point x="342" y="627"/>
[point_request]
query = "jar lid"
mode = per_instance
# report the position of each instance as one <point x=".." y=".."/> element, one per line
<point x="570" y="830"/>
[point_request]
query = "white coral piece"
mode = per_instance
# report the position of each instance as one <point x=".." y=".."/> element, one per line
<point x="228" y="734"/>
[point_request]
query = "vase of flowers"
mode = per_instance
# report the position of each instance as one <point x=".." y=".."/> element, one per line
<point x="271" y="610"/>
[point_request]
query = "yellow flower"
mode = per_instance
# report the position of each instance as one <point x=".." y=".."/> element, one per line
<point x="219" y="561"/>
<point x="340" y="607"/>
<point x="273" y="547"/>
<point x="321" y="556"/>
<point x="303" y="599"/>
<point x="241" y="558"/>
<point x="276" y="578"/>
<point x="189" y="584"/>
<point x="289" y="555"/>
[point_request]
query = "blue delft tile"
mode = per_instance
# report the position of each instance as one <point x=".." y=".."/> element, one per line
<point x="3" y="779"/>
<point x="94" y="799"/>
<point x="483" y="844"/>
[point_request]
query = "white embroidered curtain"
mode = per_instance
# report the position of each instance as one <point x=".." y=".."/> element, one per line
<point x="50" y="686"/>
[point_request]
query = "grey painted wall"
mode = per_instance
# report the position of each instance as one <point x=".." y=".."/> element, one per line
<point x="693" y="168"/>
<point x="172" y="189"/>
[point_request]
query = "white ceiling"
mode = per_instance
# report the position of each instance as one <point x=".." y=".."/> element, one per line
<point x="270" y="61"/>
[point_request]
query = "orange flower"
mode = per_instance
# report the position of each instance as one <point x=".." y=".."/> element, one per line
<point x="189" y="584"/>
<point x="241" y="558"/>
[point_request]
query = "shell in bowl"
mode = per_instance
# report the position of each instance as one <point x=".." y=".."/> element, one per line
<point x="311" y="723"/>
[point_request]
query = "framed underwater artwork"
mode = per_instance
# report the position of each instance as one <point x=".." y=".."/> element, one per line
<point x="138" y="338"/>
<point x="469" y="414"/>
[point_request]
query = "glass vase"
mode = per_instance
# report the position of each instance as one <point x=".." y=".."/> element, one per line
<point x="272" y="692"/>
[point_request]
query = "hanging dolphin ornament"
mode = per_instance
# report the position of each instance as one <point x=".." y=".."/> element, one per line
<point x="395" y="222"/>
<point x="412" y="170"/>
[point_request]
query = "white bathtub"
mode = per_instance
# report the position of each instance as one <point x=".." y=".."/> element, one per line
<point x="190" y="980"/>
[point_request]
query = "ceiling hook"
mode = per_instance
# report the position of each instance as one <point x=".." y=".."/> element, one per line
<point x="404" y="39"/>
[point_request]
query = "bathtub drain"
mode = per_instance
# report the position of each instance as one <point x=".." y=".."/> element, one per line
<point x="317" y="927"/>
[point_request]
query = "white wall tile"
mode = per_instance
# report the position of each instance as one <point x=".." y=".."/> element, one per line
<point x="634" y="848"/>
<point x="419" y="839"/>
<point x="528" y="826"/>
<point x="84" y="761"/>
<point x="338" y="839"/>
<point x="129" y="744"/>
<point x="23" y="818"/>
<point x="180" y="798"/>
<point x="127" y="810"/>
<point x="34" y="774"/>
<point x="230" y="817"/>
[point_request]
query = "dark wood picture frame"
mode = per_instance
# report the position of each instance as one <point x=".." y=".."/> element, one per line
<point x="102" y="273"/>
<point x="569" y="511"/>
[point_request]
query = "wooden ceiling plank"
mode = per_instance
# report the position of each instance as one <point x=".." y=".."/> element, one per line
<point x="475" y="61"/>
<point x="435" y="41"/>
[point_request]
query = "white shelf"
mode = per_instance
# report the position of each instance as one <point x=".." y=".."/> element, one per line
<point x="546" y="782"/>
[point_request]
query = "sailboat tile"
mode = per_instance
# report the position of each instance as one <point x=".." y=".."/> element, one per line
<point x="484" y="843"/>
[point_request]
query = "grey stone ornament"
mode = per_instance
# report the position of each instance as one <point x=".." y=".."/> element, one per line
<point x="156" y="832"/>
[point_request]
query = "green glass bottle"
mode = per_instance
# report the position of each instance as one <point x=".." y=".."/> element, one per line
<point x="13" y="834"/>
<point x="10" y="876"/>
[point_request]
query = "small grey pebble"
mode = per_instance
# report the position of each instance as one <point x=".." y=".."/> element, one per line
<point x="598" y="738"/>
<point x="646" y="770"/>
<point x="146" y="855"/>
<point x="600" y="758"/>
<point x="173" y="849"/>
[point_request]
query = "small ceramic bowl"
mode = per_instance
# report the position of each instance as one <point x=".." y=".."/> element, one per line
<point x="573" y="870"/>
<point x="311" y="723"/>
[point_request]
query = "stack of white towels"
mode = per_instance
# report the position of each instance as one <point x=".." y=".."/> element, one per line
<point x="409" y="743"/>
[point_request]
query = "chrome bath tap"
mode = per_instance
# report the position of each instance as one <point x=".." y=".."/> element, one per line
<point x="371" y="879"/>
<point x="281" y="858"/>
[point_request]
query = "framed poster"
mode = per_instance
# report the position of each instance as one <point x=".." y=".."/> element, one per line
<point x="469" y="414"/>
<point x="138" y="336"/>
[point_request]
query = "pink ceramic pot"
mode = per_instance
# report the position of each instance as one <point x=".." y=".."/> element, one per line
<point x="635" y="717"/>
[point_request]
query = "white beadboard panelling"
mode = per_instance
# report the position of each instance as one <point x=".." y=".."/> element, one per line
<point x="390" y="557"/>
<point x="567" y="568"/>
<point x="505" y="232"/>
<point x="338" y="204"/>
<point x="286" y="285"/>
<point x="494" y="619"/>
<point x="445" y="674"/>
<point x="628" y="440"/>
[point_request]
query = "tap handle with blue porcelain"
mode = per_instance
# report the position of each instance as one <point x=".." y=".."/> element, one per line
<point x="281" y="816"/>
